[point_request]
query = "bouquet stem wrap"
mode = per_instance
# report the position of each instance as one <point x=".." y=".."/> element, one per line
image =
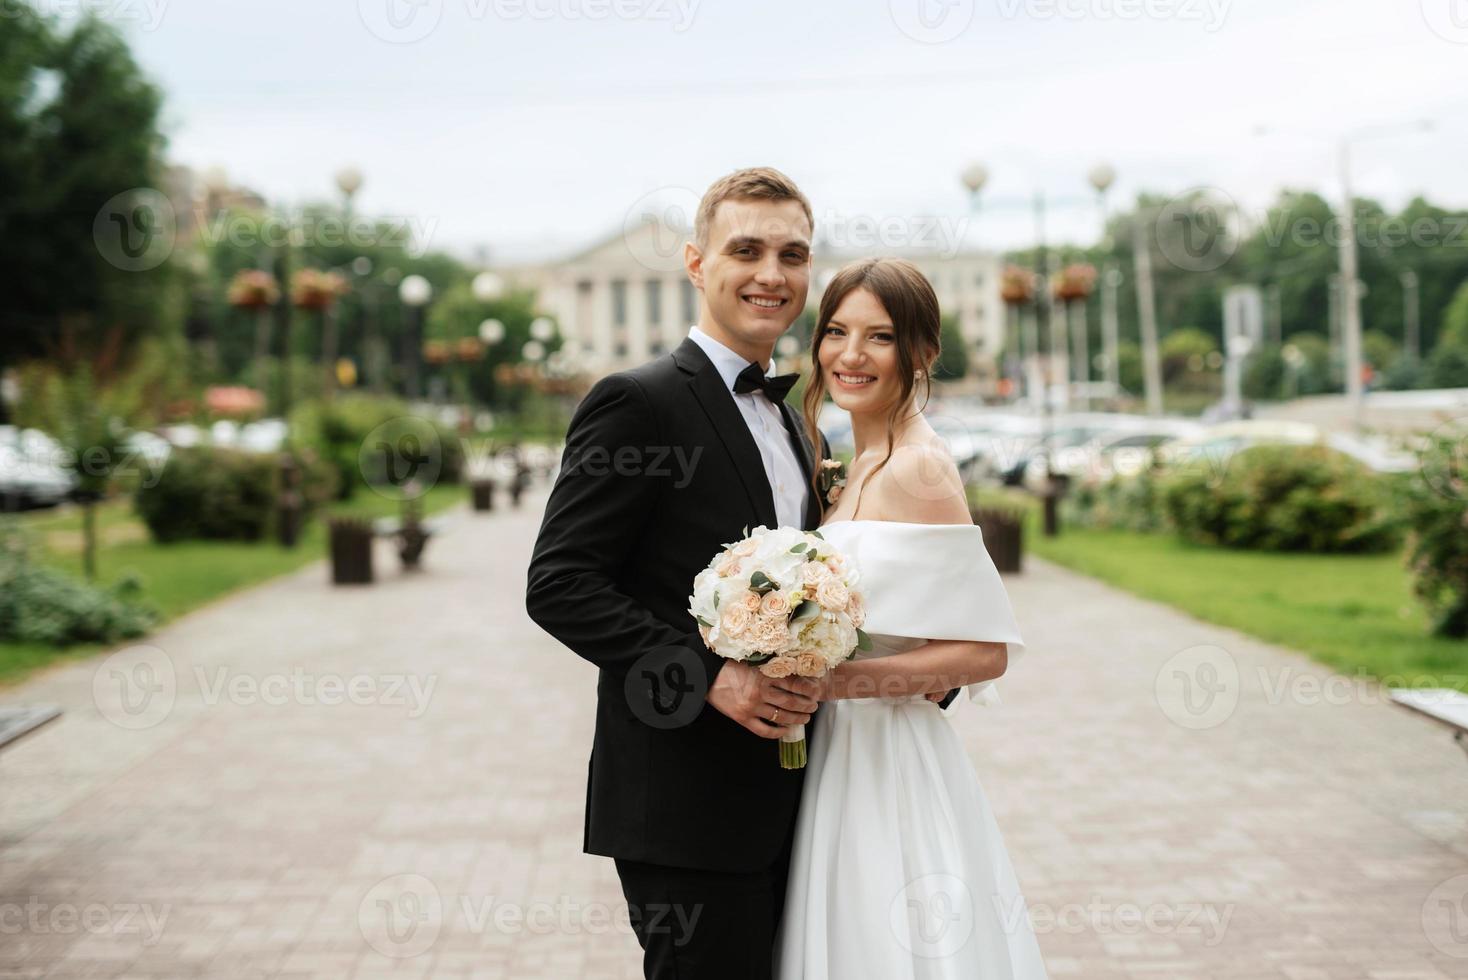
<point x="792" y="748"/>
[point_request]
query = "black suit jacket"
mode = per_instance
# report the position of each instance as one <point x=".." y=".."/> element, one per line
<point x="659" y="473"/>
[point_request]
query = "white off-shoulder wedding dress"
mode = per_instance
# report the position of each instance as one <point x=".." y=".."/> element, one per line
<point x="898" y="868"/>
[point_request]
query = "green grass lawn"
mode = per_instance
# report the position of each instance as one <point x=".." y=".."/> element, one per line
<point x="1355" y="613"/>
<point x="181" y="577"/>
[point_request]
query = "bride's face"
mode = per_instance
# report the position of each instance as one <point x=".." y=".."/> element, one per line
<point x="858" y="355"/>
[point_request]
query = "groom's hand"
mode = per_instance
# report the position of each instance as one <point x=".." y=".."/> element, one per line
<point x="750" y="698"/>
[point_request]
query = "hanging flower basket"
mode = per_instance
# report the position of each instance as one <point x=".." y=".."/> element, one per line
<point x="312" y="289"/>
<point x="1075" y="282"/>
<point x="253" y="289"/>
<point x="1017" y="285"/>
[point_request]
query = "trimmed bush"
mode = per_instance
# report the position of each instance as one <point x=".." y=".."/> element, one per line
<point x="1283" y="498"/>
<point x="1133" y="503"/>
<point x="207" y="492"/>
<point x="1435" y="508"/>
<point x="339" y="429"/>
<point x="41" y="605"/>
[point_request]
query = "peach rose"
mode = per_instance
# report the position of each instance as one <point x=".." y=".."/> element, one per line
<point x="809" y="664"/>
<point x="778" y="667"/>
<point x="769" y="635"/>
<point x="774" y="604"/>
<point x="736" y="619"/>
<point x="833" y="564"/>
<point x="728" y="568"/>
<point x="834" y="494"/>
<point x="857" y="610"/>
<point x="814" y="573"/>
<point x="746" y="547"/>
<point x="750" y="601"/>
<point x="833" y="594"/>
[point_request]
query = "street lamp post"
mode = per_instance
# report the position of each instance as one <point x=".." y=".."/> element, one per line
<point x="415" y="292"/>
<point x="1102" y="177"/>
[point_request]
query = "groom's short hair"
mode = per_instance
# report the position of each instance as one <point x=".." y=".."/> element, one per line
<point x="752" y="183"/>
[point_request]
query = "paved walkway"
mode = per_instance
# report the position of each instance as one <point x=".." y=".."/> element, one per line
<point x="317" y="782"/>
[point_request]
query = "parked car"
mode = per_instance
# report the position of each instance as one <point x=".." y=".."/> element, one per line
<point x="31" y="474"/>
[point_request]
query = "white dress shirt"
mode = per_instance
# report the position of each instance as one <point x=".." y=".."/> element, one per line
<point x="782" y="466"/>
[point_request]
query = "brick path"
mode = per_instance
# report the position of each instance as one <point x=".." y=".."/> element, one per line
<point x="224" y="819"/>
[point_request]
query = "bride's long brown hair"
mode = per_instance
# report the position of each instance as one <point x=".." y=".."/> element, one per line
<point x="909" y="300"/>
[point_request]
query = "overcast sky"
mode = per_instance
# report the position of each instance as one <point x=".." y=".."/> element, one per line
<point x="538" y="124"/>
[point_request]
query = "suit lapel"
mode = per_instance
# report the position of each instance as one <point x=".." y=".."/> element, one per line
<point x="807" y="453"/>
<point x="717" y="403"/>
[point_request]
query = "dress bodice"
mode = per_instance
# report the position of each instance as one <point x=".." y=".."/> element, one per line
<point x="927" y="582"/>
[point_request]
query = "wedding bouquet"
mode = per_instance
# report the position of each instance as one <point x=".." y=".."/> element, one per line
<point x="785" y="601"/>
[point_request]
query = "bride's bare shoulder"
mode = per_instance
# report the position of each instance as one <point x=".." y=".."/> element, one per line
<point x="921" y="485"/>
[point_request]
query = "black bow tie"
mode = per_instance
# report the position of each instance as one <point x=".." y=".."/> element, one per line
<point x="753" y="378"/>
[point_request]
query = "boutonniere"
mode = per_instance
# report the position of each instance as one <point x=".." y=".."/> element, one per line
<point x="832" y="478"/>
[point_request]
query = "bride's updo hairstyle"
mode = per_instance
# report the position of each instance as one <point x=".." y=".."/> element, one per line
<point x="910" y="302"/>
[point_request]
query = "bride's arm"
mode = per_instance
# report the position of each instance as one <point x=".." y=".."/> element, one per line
<point x="937" y="666"/>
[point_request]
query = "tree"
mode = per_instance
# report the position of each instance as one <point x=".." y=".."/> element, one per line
<point x="952" y="363"/>
<point x="79" y="149"/>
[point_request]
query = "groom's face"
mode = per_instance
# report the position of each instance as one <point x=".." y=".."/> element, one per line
<point x="754" y="270"/>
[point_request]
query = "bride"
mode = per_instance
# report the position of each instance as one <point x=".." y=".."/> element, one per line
<point x="899" y="870"/>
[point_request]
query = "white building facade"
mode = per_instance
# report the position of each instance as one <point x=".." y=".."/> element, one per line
<point x="627" y="299"/>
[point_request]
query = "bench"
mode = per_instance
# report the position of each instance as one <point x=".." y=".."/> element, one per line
<point x="17" y="721"/>
<point x="1443" y="705"/>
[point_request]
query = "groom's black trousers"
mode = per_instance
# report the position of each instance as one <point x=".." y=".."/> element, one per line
<point x="705" y="925"/>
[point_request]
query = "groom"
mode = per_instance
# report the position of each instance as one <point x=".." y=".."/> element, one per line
<point x="684" y="786"/>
